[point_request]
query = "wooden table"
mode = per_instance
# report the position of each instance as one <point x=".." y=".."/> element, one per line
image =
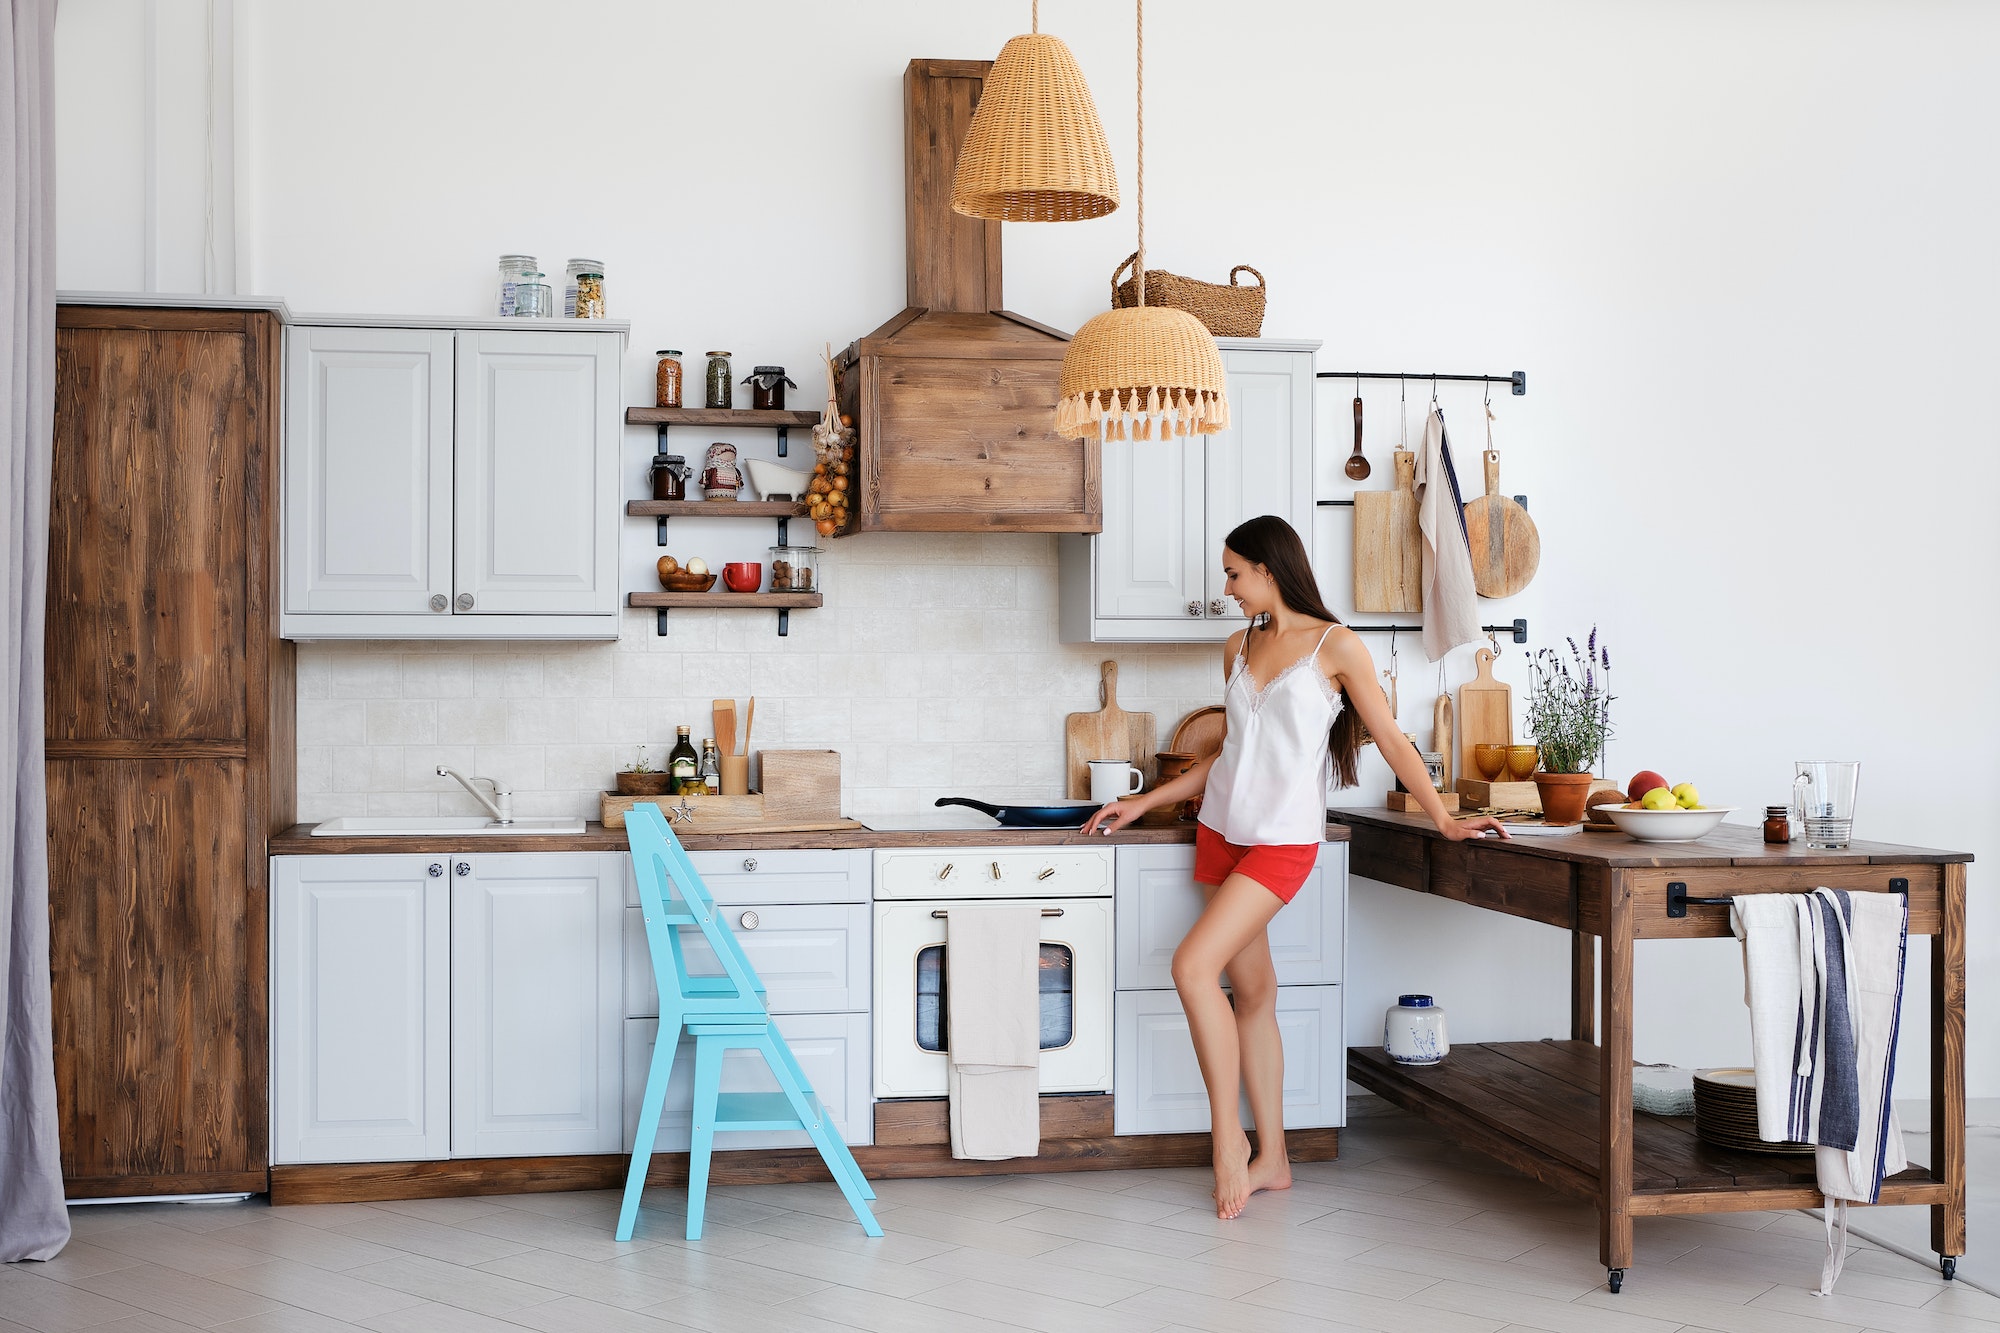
<point x="1561" y="1111"/>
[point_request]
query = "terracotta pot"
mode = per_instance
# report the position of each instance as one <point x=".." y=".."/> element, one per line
<point x="1563" y="795"/>
<point x="642" y="784"/>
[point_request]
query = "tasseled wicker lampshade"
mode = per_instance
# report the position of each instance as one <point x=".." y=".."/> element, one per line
<point x="1035" y="151"/>
<point x="1148" y="363"/>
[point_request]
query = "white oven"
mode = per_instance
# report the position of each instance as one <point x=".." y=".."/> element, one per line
<point x="915" y="887"/>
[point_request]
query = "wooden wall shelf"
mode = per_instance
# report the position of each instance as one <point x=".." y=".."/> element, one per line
<point x="716" y="509"/>
<point x="784" y="603"/>
<point x="716" y="416"/>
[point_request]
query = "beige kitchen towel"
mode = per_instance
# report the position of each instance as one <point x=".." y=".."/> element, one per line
<point x="1451" y="605"/>
<point x="993" y="1029"/>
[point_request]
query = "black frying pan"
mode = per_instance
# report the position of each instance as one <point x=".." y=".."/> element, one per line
<point x="1071" y="815"/>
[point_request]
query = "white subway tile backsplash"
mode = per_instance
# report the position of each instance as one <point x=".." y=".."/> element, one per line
<point x="330" y="721"/>
<point x="402" y="722"/>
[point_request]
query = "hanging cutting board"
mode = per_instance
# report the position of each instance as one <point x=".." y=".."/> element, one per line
<point x="1485" y="714"/>
<point x="1506" y="548"/>
<point x="1108" y="733"/>
<point x="1388" y="547"/>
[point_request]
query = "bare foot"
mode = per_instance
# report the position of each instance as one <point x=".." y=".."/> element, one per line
<point x="1232" y="1175"/>
<point x="1267" y="1174"/>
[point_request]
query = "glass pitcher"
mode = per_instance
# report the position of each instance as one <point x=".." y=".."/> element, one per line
<point x="1823" y="800"/>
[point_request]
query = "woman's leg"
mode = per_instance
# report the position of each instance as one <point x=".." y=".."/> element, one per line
<point x="1237" y="913"/>
<point x="1253" y="981"/>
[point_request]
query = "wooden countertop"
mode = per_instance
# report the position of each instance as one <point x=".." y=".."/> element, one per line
<point x="298" y="840"/>
<point x="1728" y="845"/>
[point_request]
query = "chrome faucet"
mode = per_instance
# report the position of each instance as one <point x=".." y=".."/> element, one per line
<point x="501" y="807"/>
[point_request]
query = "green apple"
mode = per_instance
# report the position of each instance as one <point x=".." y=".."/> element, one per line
<point x="1687" y="797"/>
<point x="1659" y="798"/>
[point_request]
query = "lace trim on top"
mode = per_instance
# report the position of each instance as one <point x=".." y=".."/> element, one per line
<point x="1258" y="693"/>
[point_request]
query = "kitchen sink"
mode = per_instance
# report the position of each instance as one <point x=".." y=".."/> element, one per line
<point x="417" y="826"/>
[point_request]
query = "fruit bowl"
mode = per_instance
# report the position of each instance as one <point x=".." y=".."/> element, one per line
<point x="682" y="581"/>
<point x="1666" y="825"/>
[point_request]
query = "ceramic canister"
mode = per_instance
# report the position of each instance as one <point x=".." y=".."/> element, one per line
<point x="1413" y="1032"/>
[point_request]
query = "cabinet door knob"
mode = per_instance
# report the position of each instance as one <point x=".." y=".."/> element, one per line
<point x="465" y="601"/>
<point x="748" y="921"/>
<point x="437" y="869"/>
<point x="1194" y="608"/>
<point x="440" y="602"/>
<point x="464" y="868"/>
<point x="749" y="863"/>
<point x="1215" y="607"/>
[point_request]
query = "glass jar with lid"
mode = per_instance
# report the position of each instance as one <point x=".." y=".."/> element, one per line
<point x="718" y="386"/>
<point x="590" y="296"/>
<point x="767" y="388"/>
<point x="573" y="273"/>
<point x="511" y="269"/>
<point x="670" y="476"/>
<point x="795" y="569"/>
<point x="531" y="297"/>
<point x="667" y="378"/>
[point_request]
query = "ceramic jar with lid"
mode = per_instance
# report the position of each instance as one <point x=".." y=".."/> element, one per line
<point x="1413" y="1031"/>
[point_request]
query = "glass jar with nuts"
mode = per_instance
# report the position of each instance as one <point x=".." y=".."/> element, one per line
<point x="795" y="569"/>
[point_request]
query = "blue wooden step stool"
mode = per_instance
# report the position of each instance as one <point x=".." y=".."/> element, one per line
<point x="721" y="1013"/>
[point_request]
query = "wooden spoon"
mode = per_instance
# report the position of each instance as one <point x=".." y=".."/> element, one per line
<point x="749" y="721"/>
<point x="1357" y="466"/>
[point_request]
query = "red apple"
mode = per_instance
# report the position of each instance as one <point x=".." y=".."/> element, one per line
<point x="1644" y="783"/>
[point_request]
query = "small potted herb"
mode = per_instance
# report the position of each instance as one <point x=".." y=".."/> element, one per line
<point x="640" y="779"/>
<point x="1569" y="715"/>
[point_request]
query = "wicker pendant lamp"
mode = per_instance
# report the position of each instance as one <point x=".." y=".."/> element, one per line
<point x="1035" y="151"/>
<point x="1144" y="369"/>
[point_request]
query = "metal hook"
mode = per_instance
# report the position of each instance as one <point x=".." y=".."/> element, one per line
<point x="1434" y="391"/>
<point x="1489" y="396"/>
<point x="1494" y="639"/>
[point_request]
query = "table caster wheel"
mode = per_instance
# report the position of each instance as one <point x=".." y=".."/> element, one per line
<point x="1948" y="1265"/>
<point x="1615" y="1278"/>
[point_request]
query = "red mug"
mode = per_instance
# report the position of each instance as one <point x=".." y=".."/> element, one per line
<point x="743" y="575"/>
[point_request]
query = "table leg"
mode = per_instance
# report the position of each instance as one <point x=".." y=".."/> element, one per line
<point x="1614" y="1100"/>
<point x="1582" y="986"/>
<point x="1948" y="1068"/>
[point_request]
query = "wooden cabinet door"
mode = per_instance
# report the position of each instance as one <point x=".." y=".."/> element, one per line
<point x="537" y="511"/>
<point x="1149" y="555"/>
<point x="368" y="470"/>
<point x="536" y="1004"/>
<point x="1158" y="1080"/>
<point x="1262" y="464"/>
<point x="1158" y="902"/>
<point x="360" y="1008"/>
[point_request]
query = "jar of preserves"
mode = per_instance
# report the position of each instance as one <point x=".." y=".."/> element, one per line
<point x="718" y="386"/>
<point x="795" y="569"/>
<point x="670" y="477"/>
<point x="531" y="297"/>
<point x="590" y="296"/>
<point x="511" y="269"/>
<point x="667" y="379"/>
<point x="573" y="274"/>
<point x="767" y="388"/>
<point x="1777" y="823"/>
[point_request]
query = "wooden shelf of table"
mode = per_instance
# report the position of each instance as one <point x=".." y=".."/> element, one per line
<point x="784" y="603"/>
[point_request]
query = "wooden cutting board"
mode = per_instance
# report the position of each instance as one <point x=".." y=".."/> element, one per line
<point x="1506" y="547"/>
<point x="1485" y="714"/>
<point x="1388" y="547"/>
<point x="1201" y="732"/>
<point x="1108" y="733"/>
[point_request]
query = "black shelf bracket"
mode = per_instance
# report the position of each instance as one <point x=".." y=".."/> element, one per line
<point x="784" y="621"/>
<point x="782" y="453"/>
<point x="1518" y="379"/>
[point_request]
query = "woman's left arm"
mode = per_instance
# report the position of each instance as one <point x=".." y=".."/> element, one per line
<point x="1346" y="662"/>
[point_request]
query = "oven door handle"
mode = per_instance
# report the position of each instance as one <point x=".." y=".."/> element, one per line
<point x="941" y="914"/>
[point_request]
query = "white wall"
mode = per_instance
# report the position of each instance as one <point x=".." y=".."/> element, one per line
<point x="1742" y="250"/>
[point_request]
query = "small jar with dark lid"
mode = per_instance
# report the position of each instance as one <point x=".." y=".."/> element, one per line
<point x="767" y="388"/>
<point x="1777" y="824"/>
<point x="670" y="474"/>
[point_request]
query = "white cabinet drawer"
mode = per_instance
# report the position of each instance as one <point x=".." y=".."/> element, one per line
<point x="1158" y="901"/>
<point x="811" y="957"/>
<point x="1159" y="1088"/>
<point x="832" y="1049"/>
<point x="751" y="878"/>
<point x="974" y="872"/>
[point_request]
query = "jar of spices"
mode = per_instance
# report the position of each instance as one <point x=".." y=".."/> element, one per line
<point x="670" y="474"/>
<point x="767" y="388"/>
<point x="667" y="378"/>
<point x="511" y="269"/>
<point x="719" y="390"/>
<point x="1777" y="823"/>
<point x="795" y="569"/>
<point x="573" y="275"/>
<point x="531" y="297"/>
<point x="590" y="296"/>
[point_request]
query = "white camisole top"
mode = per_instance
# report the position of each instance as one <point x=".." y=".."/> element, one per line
<point x="1269" y="785"/>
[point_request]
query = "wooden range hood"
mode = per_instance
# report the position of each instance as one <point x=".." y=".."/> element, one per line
<point x="955" y="398"/>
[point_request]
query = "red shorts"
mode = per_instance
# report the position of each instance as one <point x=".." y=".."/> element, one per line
<point x="1282" y="870"/>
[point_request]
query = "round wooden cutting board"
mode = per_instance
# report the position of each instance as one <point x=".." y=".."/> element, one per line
<point x="1506" y="548"/>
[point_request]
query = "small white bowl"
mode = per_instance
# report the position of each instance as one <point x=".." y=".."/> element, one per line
<point x="776" y="477"/>
<point x="1666" y="825"/>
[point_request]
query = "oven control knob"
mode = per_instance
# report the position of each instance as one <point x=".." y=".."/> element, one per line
<point x="748" y="921"/>
<point x="1046" y="873"/>
<point x="946" y="872"/>
<point x="996" y="870"/>
<point x="749" y="863"/>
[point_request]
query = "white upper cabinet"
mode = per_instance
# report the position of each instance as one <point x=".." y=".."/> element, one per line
<point x="1154" y="574"/>
<point x="451" y="483"/>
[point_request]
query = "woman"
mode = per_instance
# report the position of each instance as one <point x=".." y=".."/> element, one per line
<point x="1263" y="817"/>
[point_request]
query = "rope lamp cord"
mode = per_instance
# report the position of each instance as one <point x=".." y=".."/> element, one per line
<point x="1142" y="150"/>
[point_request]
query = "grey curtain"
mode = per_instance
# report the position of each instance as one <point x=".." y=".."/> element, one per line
<point x="33" y="1222"/>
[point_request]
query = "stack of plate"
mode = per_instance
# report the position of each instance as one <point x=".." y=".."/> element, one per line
<point x="1725" y="1113"/>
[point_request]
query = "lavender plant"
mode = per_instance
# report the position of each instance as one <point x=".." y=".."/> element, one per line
<point x="1569" y="705"/>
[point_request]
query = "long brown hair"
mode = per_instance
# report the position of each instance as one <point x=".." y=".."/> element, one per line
<point x="1271" y="542"/>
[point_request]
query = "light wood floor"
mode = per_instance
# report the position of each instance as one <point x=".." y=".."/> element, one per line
<point x="1401" y="1235"/>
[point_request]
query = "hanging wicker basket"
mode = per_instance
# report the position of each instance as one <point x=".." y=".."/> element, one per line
<point x="1227" y="311"/>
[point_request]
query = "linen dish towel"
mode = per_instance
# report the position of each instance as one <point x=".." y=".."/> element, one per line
<point x="1823" y="976"/>
<point x="1451" y="605"/>
<point x="993" y="1030"/>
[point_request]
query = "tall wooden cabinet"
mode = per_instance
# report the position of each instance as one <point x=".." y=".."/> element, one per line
<point x="169" y="731"/>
